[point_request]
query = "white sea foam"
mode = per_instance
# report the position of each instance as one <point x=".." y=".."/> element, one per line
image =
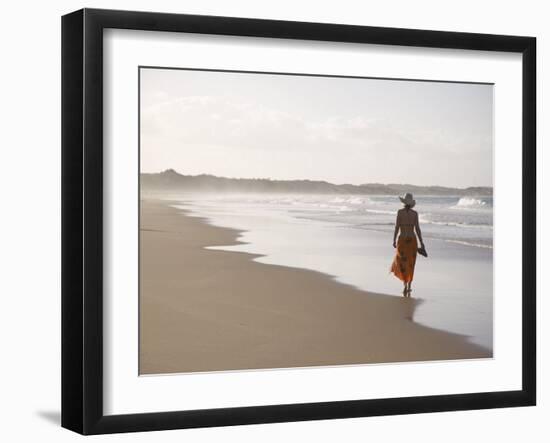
<point x="469" y="243"/>
<point x="468" y="220"/>
<point x="351" y="200"/>
<point x="380" y="211"/>
<point x="456" y="224"/>
<point x="470" y="203"/>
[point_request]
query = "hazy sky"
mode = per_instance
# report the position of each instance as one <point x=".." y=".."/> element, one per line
<point x="318" y="128"/>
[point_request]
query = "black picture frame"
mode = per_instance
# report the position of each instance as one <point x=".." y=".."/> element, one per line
<point x="82" y="219"/>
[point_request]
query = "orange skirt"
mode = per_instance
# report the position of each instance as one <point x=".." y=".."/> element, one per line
<point x="405" y="259"/>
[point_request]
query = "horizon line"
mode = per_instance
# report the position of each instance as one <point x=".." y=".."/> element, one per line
<point x="313" y="180"/>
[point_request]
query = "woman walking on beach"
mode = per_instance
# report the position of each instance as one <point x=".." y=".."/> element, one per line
<point x="407" y="247"/>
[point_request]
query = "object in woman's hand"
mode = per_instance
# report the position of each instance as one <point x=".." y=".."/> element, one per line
<point x="422" y="251"/>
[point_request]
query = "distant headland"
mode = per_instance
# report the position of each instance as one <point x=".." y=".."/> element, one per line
<point x="171" y="180"/>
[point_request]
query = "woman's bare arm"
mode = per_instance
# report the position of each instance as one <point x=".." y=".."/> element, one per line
<point x="396" y="231"/>
<point x="418" y="231"/>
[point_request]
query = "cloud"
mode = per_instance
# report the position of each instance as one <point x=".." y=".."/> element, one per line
<point x="206" y="120"/>
<point x="233" y="136"/>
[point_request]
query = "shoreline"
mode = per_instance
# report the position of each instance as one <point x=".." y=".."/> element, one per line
<point x="213" y="310"/>
<point x="453" y="286"/>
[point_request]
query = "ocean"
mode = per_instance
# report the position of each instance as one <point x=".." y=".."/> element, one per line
<point x="349" y="237"/>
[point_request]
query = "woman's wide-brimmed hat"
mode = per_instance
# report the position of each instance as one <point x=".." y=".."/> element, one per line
<point x="408" y="200"/>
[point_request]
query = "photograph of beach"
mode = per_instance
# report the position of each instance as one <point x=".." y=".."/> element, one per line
<point x="281" y="217"/>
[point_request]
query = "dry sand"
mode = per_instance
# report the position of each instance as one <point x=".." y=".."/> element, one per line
<point x="210" y="310"/>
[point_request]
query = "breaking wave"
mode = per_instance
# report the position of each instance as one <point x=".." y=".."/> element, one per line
<point x="471" y="203"/>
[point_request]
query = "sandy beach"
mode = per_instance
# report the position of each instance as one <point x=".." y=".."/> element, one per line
<point x="213" y="310"/>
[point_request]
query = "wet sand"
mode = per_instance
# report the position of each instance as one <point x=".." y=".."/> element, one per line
<point x="212" y="310"/>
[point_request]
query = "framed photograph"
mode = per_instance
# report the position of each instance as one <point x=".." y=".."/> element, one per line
<point x="268" y="221"/>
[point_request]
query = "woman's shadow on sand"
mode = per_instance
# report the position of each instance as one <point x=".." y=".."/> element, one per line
<point x="411" y="304"/>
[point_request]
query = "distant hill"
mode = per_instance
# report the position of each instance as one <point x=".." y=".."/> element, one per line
<point x="171" y="180"/>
